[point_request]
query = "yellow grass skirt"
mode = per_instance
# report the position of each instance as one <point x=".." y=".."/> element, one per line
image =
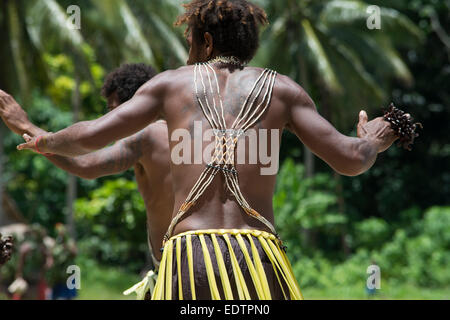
<point x="234" y="269"/>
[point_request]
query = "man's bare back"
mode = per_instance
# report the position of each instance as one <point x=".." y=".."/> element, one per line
<point x="217" y="208"/>
<point x="290" y="108"/>
<point x="172" y="92"/>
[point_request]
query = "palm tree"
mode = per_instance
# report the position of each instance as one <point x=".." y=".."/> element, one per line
<point x="326" y="46"/>
<point x="138" y="31"/>
<point x="117" y="31"/>
<point x="339" y="58"/>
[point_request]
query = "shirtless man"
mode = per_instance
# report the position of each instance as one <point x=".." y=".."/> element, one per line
<point x="222" y="243"/>
<point x="146" y="151"/>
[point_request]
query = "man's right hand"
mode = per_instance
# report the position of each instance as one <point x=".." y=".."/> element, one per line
<point x="15" y="118"/>
<point x="377" y="131"/>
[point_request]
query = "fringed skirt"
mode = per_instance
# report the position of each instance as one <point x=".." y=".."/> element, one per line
<point x="225" y="264"/>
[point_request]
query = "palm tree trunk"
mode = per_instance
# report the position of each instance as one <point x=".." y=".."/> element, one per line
<point x="16" y="41"/>
<point x="341" y="208"/>
<point x="71" y="195"/>
<point x="71" y="191"/>
<point x="308" y="159"/>
<point x="337" y="177"/>
<point x="310" y="236"/>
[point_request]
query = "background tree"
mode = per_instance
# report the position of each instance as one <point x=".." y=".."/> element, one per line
<point x="396" y="214"/>
<point x="338" y="60"/>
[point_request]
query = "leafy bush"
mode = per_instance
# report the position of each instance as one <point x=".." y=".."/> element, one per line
<point x="370" y="233"/>
<point x="305" y="206"/>
<point x="415" y="250"/>
<point x="112" y="224"/>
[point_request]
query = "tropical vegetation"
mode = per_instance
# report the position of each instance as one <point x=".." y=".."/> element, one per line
<point x="396" y="215"/>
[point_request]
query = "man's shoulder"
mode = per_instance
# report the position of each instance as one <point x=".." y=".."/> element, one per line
<point x="288" y="90"/>
<point x="283" y="82"/>
<point x="178" y="71"/>
<point x="169" y="79"/>
<point x="287" y="83"/>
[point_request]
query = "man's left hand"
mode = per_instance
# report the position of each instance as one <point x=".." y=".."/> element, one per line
<point x="30" y="143"/>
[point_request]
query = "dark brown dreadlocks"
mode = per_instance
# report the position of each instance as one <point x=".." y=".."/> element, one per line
<point x="233" y="24"/>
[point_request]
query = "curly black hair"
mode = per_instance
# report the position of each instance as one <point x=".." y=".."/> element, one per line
<point x="126" y="80"/>
<point x="233" y="24"/>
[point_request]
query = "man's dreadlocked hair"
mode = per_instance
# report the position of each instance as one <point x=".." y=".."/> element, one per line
<point x="126" y="80"/>
<point x="232" y="23"/>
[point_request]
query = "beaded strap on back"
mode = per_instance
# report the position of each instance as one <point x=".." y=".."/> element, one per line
<point x="223" y="159"/>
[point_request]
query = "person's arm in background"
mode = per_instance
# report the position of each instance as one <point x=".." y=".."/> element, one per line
<point x="349" y="156"/>
<point x="108" y="161"/>
<point x="111" y="160"/>
<point x="132" y="116"/>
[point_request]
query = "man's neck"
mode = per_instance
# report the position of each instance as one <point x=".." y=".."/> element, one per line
<point x="227" y="60"/>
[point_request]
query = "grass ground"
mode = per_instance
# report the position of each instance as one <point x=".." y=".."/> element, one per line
<point x="106" y="283"/>
<point x="404" y="292"/>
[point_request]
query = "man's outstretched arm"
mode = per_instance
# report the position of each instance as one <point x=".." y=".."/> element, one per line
<point x="349" y="156"/>
<point x="108" y="161"/>
<point x="111" y="160"/>
<point x="132" y="116"/>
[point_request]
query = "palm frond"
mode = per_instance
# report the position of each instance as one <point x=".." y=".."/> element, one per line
<point x="135" y="36"/>
<point x="135" y="45"/>
<point x="49" y="16"/>
<point x="354" y="12"/>
<point x="47" y="25"/>
<point x="376" y="53"/>
<point x="400" y="68"/>
<point x="320" y="58"/>
<point x="17" y="49"/>
<point x="359" y="71"/>
<point x="170" y="37"/>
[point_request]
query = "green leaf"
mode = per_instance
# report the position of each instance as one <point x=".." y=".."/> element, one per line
<point x="319" y="56"/>
<point x="171" y="38"/>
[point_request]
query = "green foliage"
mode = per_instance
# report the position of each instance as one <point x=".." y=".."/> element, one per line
<point x="62" y="72"/>
<point x="420" y="260"/>
<point x="327" y="47"/>
<point x="395" y="215"/>
<point x="371" y="232"/>
<point x="416" y="253"/>
<point x="303" y="205"/>
<point x="112" y="222"/>
<point x="37" y="186"/>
